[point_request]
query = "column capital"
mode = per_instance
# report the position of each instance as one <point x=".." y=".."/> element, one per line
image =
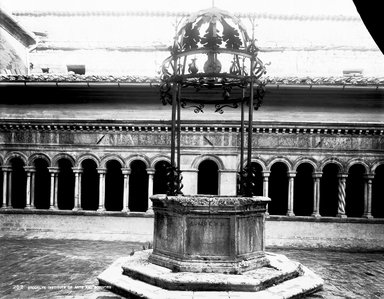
<point x="6" y="168"/>
<point x="150" y="171"/>
<point x="342" y="175"/>
<point x="54" y="169"/>
<point x="77" y="169"/>
<point x="291" y="173"/>
<point x="101" y="170"/>
<point x="126" y="171"/>
<point x="369" y="176"/>
<point x="266" y="173"/>
<point x="30" y="168"/>
<point x="317" y="174"/>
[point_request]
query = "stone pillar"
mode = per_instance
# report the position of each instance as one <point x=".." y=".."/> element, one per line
<point x="291" y="177"/>
<point x="9" y="189"/>
<point x="33" y="175"/>
<point x="341" y="193"/>
<point x="126" y="172"/>
<point x="77" y="205"/>
<point x="6" y="171"/>
<point x="316" y="193"/>
<point x="150" y="172"/>
<point x="368" y="195"/>
<point x="28" y="196"/>
<point x="53" y="195"/>
<point x="266" y="174"/>
<point x="101" y="172"/>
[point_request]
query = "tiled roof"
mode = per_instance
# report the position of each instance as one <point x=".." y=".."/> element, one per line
<point x="124" y="13"/>
<point x="328" y="81"/>
<point x="7" y="22"/>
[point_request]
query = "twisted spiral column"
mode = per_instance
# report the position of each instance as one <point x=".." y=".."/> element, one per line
<point x="341" y="194"/>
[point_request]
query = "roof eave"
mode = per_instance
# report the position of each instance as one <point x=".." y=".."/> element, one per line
<point x="9" y="24"/>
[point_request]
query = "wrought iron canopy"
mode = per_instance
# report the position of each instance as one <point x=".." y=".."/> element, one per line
<point x="213" y="56"/>
<point x="212" y="49"/>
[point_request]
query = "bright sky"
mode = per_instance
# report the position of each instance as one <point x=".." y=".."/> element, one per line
<point x="305" y="7"/>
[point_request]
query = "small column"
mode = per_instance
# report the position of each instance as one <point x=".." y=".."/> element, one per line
<point x="341" y="193"/>
<point x="266" y="174"/>
<point x="29" y="170"/>
<point x="77" y="205"/>
<point x="101" y="172"/>
<point x="6" y="171"/>
<point x="126" y="172"/>
<point x="150" y="172"/>
<point x="368" y="195"/>
<point x="53" y="194"/>
<point x="9" y="189"/>
<point x="56" y="189"/>
<point x="316" y="193"/>
<point x="291" y="175"/>
<point x="33" y="175"/>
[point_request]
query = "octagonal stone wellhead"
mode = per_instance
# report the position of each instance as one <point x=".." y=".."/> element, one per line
<point x="209" y="233"/>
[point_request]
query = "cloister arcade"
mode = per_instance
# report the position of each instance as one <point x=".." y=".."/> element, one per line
<point x="305" y="187"/>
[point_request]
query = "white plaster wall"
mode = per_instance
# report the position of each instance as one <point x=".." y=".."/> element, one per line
<point x="227" y="182"/>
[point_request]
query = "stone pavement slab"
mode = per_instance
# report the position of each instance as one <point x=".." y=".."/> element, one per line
<point x="47" y="268"/>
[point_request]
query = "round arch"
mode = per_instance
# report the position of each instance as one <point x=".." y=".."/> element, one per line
<point x="196" y="162"/>
<point x="33" y="157"/>
<point x="108" y="158"/>
<point x="300" y="161"/>
<point x="279" y="159"/>
<point x="331" y="161"/>
<point x="255" y="160"/>
<point x="88" y="156"/>
<point x="11" y="155"/>
<point x="159" y="158"/>
<point x="136" y="157"/>
<point x="375" y="165"/>
<point x="357" y="162"/>
<point x="60" y="156"/>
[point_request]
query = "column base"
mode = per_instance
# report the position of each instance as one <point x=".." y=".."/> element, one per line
<point x="77" y="209"/>
<point x="341" y="215"/>
<point x="316" y="215"/>
<point x="125" y="210"/>
<point x="149" y="211"/>
<point x="4" y="207"/>
<point x="367" y="216"/>
<point x="100" y="210"/>
<point x="290" y="214"/>
<point x="29" y="208"/>
<point x="53" y="208"/>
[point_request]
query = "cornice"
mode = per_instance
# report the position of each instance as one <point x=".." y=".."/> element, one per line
<point x="53" y="126"/>
<point x="115" y="81"/>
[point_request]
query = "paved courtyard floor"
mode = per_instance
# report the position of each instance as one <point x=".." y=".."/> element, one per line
<point x="46" y="268"/>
